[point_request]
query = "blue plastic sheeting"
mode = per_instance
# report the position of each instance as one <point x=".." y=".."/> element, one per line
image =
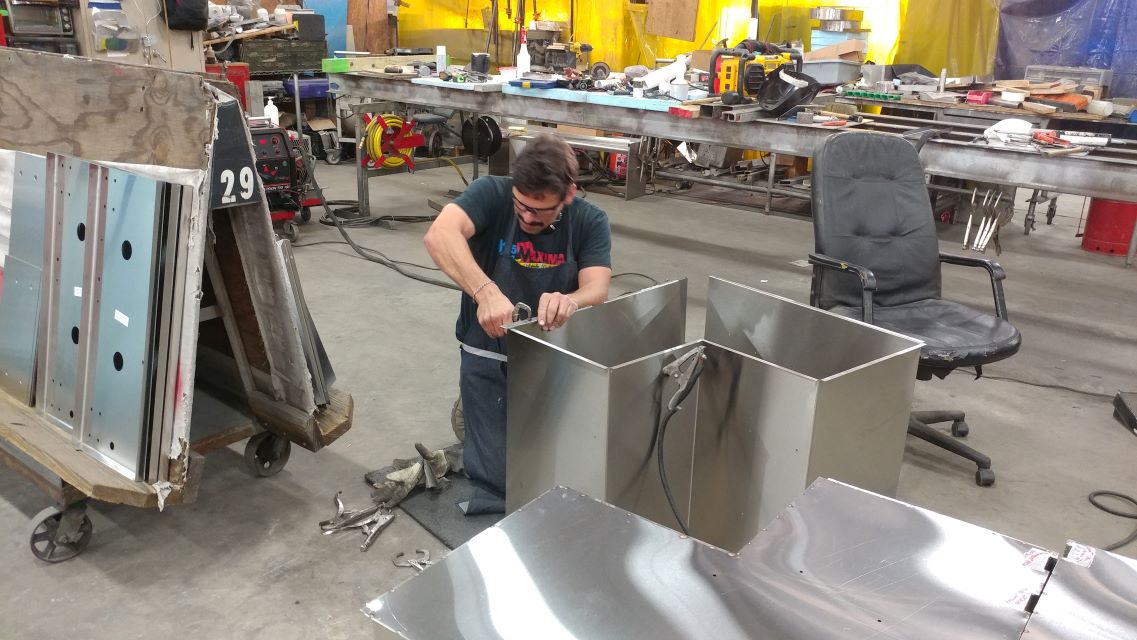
<point x="335" y="22"/>
<point x="1072" y="33"/>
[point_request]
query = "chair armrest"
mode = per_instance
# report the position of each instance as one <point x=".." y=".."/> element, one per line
<point x="993" y="269"/>
<point x="864" y="274"/>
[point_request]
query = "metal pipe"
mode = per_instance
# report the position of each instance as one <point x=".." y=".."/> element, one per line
<point x="296" y="103"/>
<point x="670" y="175"/>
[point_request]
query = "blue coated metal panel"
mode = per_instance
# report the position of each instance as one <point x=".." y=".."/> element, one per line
<point x="28" y="197"/>
<point x="122" y="364"/>
<point x="67" y="335"/>
<point x="19" y="327"/>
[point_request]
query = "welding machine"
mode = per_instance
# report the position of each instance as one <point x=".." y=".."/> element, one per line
<point x="744" y="68"/>
<point x="280" y="165"/>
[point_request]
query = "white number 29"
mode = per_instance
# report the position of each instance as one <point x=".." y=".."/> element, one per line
<point x="227" y="181"/>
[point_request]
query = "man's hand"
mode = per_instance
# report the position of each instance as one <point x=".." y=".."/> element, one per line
<point x="554" y="310"/>
<point x="494" y="311"/>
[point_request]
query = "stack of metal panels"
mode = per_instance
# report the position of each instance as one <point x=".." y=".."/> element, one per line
<point x="86" y="336"/>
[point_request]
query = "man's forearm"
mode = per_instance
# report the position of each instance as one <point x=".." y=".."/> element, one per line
<point x="451" y="252"/>
<point x="590" y="294"/>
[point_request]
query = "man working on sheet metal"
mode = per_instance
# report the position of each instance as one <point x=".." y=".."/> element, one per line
<point x="510" y="240"/>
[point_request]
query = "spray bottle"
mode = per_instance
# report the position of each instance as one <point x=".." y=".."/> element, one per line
<point x="523" y="62"/>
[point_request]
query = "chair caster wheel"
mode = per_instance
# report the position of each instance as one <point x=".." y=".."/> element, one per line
<point x="960" y="429"/>
<point x="984" y="477"/>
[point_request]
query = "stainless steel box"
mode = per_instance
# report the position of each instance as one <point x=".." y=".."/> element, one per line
<point x="788" y="394"/>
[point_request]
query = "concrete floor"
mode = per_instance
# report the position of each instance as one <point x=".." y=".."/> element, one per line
<point x="247" y="559"/>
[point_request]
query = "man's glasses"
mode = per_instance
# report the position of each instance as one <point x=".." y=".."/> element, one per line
<point x="537" y="211"/>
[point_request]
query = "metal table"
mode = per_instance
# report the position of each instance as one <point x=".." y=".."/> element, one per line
<point x="1104" y="173"/>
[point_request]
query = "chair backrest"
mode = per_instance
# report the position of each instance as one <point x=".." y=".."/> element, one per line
<point x="871" y="208"/>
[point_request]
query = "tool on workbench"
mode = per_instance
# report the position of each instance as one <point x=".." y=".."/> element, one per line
<point x="745" y="68"/>
<point x="419" y="562"/>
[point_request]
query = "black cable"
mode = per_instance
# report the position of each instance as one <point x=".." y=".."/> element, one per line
<point x="402" y="262"/>
<point x="1044" y="385"/>
<point x="660" y="436"/>
<point x="1132" y="515"/>
<point x="370" y="254"/>
<point x="636" y="274"/>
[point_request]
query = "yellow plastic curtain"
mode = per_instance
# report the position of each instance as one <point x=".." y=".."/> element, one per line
<point x="958" y="34"/>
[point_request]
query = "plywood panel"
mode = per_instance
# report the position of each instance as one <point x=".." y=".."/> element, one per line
<point x="672" y="18"/>
<point x="85" y="115"/>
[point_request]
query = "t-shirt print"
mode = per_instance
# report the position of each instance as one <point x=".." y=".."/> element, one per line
<point x="527" y="255"/>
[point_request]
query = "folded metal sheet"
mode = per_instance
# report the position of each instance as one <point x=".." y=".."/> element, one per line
<point x="1091" y="594"/>
<point x="838" y="563"/>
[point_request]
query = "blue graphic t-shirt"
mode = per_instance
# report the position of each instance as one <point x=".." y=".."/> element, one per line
<point x="489" y="203"/>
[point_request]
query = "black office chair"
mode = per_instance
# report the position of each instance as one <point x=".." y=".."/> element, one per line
<point x="878" y="259"/>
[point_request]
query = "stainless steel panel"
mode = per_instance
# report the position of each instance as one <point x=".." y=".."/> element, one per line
<point x="752" y="445"/>
<point x="123" y="362"/>
<point x="19" y="328"/>
<point x="793" y="335"/>
<point x="860" y="423"/>
<point x="553" y="437"/>
<point x="1091" y="594"/>
<point x="67" y="333"/>
<point x="839" y="563"/>
<point x="29" y="196"/>
<point x="623" y="329"/>
<point x="639" y="393"/>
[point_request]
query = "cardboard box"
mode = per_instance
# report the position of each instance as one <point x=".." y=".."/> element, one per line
<point x="579" y="131"/>
<point x="853" y="50"/>
<point x="700" y="59"/>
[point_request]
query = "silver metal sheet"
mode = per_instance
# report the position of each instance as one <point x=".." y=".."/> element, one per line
<point x="622" y="329"/>
<point x="839" y="563"/>
<point x="123" y="359"/>
<point x="1091" y="594"/>
<point x="19" y="328"/>
<point x="789" y="334"/>
<point x="29" y="195"/>
<point x="562" y="387"/>
<point x="67" y="334"/>
<point x="752" y="445"/>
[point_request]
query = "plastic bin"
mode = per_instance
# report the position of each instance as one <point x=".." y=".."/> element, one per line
<point x="309" y="88"/>
<point x="235" y="72"/>
<point x="832" y="72"/>
<point x="1109" y="226"/>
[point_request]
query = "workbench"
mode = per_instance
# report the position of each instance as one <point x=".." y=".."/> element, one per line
<point x="1103" y="173"/>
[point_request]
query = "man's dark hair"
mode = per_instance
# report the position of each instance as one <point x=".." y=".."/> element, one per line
<point x="546" y="166"/>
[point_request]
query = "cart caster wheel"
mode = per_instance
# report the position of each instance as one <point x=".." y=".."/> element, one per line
<point x="960" y="429"/>
<point x="332" y="156"/>
<point x="266" y="454"/>
<point x="984" y="477"/>
<point x="306" y="214"/>
<point x="290" y="231"/>
<point x="48" y="545"/>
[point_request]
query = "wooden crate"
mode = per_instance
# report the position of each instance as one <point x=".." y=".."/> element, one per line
<point x="278" y="56"/>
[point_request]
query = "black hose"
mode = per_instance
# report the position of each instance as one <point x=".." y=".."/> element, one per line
<point x="660" y="436"/>
<point x="1132" y="515"/>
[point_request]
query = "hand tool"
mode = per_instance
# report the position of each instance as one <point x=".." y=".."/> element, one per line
<point x="522" y="308"/>
<point x="418" y="563"/>
<point x="372" y="531"/>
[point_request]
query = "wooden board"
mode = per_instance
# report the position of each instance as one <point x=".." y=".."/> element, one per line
<point x="369" y="25"/>
<point x="672" y="18"/>
<point x="103" y="111"/>
<point x="31" y="434"/>
<point x="253" y="34"/>
<point x="347" y="65"/>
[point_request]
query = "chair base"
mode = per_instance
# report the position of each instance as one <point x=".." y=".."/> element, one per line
<point x="918" y="425"/>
